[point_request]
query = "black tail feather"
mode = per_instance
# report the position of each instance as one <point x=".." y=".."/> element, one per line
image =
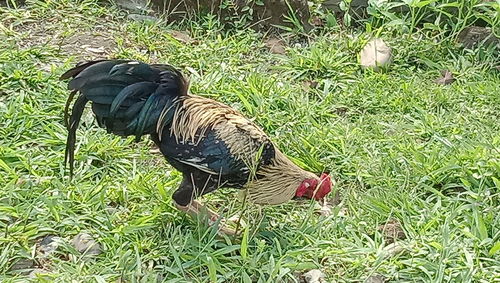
<point x="128" y="97"/>
<point x="66" y="108"/>
<point x="80" y="68"/>
<point x="74" y="121"/>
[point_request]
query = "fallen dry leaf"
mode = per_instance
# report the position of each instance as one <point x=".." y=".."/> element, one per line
<point x="182" y="36"/>
<point x="275" y="45"/>
<point x="392" y="231"/>
<point x="446" y="78"/>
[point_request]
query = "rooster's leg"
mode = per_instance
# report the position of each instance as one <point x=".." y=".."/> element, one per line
<point x="195" y="185"/>
<point x="213" y="216"/>
<point x="195" y="208"/>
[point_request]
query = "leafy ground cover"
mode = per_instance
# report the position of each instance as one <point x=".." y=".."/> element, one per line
<point x="422" y="156"/>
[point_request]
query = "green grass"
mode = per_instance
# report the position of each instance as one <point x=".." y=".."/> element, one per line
<point x="398" y="145"/>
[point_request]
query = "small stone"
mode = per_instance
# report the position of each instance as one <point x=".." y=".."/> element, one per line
<point x="48" y="245"/>
<point x="275" y="46"/>
<point x="446" y="79"/>
<point x="84" y="243"/>
<point x="23" y="265"/>
<point x="376" y="55"/>
<point x="392" y="231"/>
<point x="323" y="208"/>
<point x="314" y="276"/>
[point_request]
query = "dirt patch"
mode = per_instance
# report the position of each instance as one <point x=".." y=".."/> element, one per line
<point x="89" y="44"/>
<point x="82" y="44"/>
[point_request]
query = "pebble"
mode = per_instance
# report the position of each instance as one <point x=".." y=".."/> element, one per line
<point x="314" y="276"/>
<point x="86" y="244"/>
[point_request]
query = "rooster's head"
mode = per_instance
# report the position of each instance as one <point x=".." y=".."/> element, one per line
<point x="315" y="188"/>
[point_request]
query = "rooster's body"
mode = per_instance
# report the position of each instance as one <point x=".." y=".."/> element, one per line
<point x="210" y="143"/>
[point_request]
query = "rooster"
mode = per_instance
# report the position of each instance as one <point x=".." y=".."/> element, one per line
<point x="210" y="143"/>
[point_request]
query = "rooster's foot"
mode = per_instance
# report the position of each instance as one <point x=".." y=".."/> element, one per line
<point x="195" y="208"/>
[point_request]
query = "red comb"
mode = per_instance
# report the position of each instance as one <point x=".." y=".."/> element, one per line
<point x="325" y="186"/>
<point x="316" y="192"/>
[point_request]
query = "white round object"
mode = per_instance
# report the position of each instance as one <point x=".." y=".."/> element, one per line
<point x="376" y="55"/>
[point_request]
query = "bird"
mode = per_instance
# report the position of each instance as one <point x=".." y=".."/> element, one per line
<point x="213" y="145"/>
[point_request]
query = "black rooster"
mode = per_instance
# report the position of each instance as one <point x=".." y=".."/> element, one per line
<point x="212" y="144"/>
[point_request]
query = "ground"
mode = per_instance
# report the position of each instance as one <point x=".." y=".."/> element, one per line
<point x="416" y="163"/>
